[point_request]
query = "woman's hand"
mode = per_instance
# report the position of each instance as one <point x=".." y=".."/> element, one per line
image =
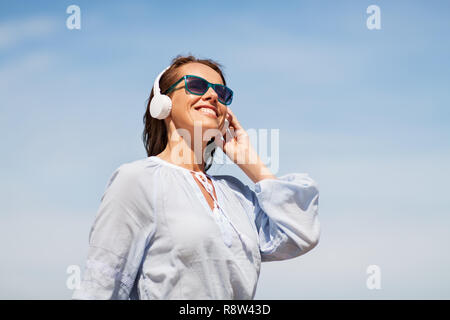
<point x="238" y="148"/>
<point x="236" y="144"/>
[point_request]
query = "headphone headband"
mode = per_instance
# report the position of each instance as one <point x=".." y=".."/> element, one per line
<point x="156" y="90"/>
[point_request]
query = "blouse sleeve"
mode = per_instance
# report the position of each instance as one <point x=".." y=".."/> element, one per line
<point x="285" y="213"/>
<point x="118" y="238"/>
<point x="286" y="216"/>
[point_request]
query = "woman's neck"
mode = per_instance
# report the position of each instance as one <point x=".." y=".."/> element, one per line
<point x="182" y="155"/>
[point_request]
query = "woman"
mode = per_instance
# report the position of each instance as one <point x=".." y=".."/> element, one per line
<point x="166" y="229"/>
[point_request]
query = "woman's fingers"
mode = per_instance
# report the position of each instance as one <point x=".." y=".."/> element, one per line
<point x="233" y="120"/>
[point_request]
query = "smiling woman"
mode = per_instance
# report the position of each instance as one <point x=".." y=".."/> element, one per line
<point x="155" y="133"/>
<point x="166" y="229"/>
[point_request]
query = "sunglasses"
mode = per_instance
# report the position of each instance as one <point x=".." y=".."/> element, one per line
<point x="200" y="86"/>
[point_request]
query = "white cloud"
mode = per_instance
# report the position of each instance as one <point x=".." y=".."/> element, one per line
<point x="19" y="74"/>
<point x="15" y="32"/>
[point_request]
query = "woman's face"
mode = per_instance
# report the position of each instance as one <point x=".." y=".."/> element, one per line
<point x="186" y="107"/>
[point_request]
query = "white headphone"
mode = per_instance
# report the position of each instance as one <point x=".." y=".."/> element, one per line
<point x="161" y="104"/>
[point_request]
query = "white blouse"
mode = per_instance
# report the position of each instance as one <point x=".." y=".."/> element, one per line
<point x="156" y="237"/>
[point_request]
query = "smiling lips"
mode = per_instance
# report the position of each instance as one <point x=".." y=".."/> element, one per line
<point x="207" y="110"/>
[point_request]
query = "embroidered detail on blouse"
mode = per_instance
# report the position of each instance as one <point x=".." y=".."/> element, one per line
<point x="218" y="214"/>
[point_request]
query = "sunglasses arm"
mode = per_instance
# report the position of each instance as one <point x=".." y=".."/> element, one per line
<point x="174" y="85"/>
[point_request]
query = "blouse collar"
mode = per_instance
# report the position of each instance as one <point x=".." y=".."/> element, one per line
<point x="169" y="164"/>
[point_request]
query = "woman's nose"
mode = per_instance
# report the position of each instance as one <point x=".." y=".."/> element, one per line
<point x="210" y="94"/>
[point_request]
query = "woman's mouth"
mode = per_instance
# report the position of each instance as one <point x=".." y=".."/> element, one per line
<point x="207" y="111"/>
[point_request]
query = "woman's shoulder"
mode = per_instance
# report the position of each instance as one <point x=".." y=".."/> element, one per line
<point x="129" y="173"/>
<point x="136" y="167"/>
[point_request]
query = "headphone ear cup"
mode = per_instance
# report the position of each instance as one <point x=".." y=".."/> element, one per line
<point x="160" y="106"/>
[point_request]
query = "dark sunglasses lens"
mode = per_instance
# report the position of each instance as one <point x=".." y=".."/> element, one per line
<point x="224" y="94"/>
<point x="196" y="85"/>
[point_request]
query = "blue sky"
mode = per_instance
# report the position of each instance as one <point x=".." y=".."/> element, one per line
<point x="364" y="112"/>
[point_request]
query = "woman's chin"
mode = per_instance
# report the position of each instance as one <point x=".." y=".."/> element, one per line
<point x="206" y="121"/>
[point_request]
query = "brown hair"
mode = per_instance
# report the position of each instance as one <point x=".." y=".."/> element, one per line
<point x="155" y="132"/>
